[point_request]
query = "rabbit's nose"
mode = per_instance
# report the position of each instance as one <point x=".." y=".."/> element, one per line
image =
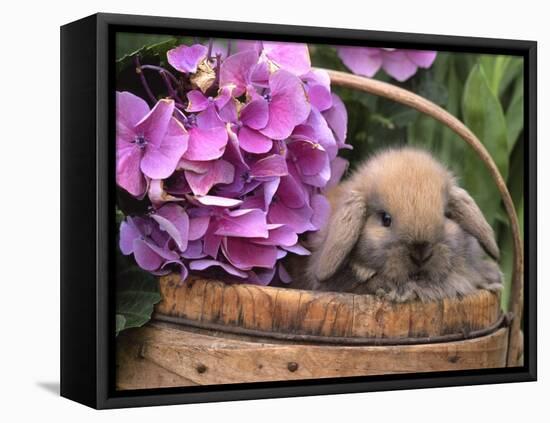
<point x="420" y="252"/>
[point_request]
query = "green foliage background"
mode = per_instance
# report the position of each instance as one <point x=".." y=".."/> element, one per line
<point x="484" y="91"/>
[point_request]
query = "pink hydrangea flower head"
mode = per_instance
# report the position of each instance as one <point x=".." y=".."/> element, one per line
<point x="233" y="173"/>
<point x="400" y="64"/>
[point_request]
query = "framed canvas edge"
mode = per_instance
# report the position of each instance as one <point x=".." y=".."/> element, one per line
<point x="106" y="398"/>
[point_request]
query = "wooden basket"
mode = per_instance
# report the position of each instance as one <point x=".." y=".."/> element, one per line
<point x="207" y="332"/>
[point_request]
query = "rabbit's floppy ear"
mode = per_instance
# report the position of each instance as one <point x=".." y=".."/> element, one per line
<point x="466" y="213"/>
<point x="342" y="232"/>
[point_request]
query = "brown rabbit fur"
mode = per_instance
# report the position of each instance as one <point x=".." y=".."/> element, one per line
<point x="401" y="228"/>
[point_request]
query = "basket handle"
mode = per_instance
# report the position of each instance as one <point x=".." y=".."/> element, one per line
<point x="408" y="98"/>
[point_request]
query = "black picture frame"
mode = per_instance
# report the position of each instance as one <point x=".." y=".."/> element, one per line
<point x="87" y="211"/>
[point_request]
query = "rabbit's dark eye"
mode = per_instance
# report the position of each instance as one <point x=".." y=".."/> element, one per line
<point x="386" y="219"/>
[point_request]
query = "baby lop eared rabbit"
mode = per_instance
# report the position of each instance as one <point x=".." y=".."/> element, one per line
<point x="401" y="228"/>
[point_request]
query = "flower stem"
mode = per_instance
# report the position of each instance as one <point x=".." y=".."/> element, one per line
<point x="173" y="93"/>
<point x="162" y="70"/>
<point x="144" y="81"/>
<point x="168" y="79"/>
<point x="218" y="67"/>
<point x="228" y="48"/>
<point x="210" y="45"/>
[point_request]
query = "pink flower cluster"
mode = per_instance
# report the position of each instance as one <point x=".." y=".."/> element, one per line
<point x="400" y="64"/>
<point x="234" y="162"/>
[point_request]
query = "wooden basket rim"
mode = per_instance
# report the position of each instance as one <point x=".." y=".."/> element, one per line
<point x="324" y="317"/>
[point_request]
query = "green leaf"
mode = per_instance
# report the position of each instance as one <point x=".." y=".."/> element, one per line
<point x="129" y="42"/>
<point x="452" y="146"/>
<point x="507" y="255"/>
<point x="514" y="114"/>
<point x="483" y="114"/>
<point x="120" y="323"/>
<point x="148" y="53"/>
<point x="423" y="133"/>
<point x="136" y="294"/>
<point x="513" y="71"/>
<point x="495" y="68"/>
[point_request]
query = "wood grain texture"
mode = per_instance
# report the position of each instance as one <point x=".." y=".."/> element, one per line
<point x="164" y="355"/>
<point x="292" y="311"/>
<point x="133" y="371"/>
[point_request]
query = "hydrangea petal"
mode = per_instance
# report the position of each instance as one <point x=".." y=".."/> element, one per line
<point x="186" y="59"/>
<point x="291" y="192"/>
<point x="318" y="76"/>
<point x="206" y="263"/>
<point x="235" y="70"/>
<point x="261" y="277"/>
<point x="251" y="224"/>
<point x="322" y="133"/>
<point x="233" y="152"/>
<point x="398" y="65"/>
<point x="162" y="252"/>
<point x="212" y="200"/>
<point x="281" y="236"/>
<point x="318" y="89"/>
<point x="298" y="219"/>
<point x="337" y="119"/>
<point x="128" y="233"/>
<point x="173" y="219"/>
<point x="128" y="172"/>
<point x="321" y="210"/>
<point x="228" y="112"/>
<point x="154" y="125"/>
<point x="259" y="76"/>
<point x="298" y="249"/>
<point x="212" y="244"/>
<point x="209" y="118"/>
<point x="194" y="166"/>
<point x="319" y="96"/>
<point x="361" y="60"/>
<point x="252" y="141"/>
<point x="160" y="161"/>
<point x="145" y="257"/>
<point x="206" y="144"/>
<point x="194" y="250"/>
<point x="225" y="95"/>
<point x="244" y="45"/>
<point x="310" y="157"/>
<point x="270" y="188"/>
<point x="130" y="109"/>
<point x="198" y="226"/>
<point x="255" y="114"/>
<point x="269" y="167"/>
<point x="337" y="169"/>
<point x="219" y="172"/>
<point x="294" y="57"/>
<point x="246" y="255"/>
<point x="253" y="202"/>
<point x="281" y="253"/>
<point x="288" y="106"/>
<point x="157" y="195"/>
<point x="422" y="58"/>
<point x="197" y="101"/>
